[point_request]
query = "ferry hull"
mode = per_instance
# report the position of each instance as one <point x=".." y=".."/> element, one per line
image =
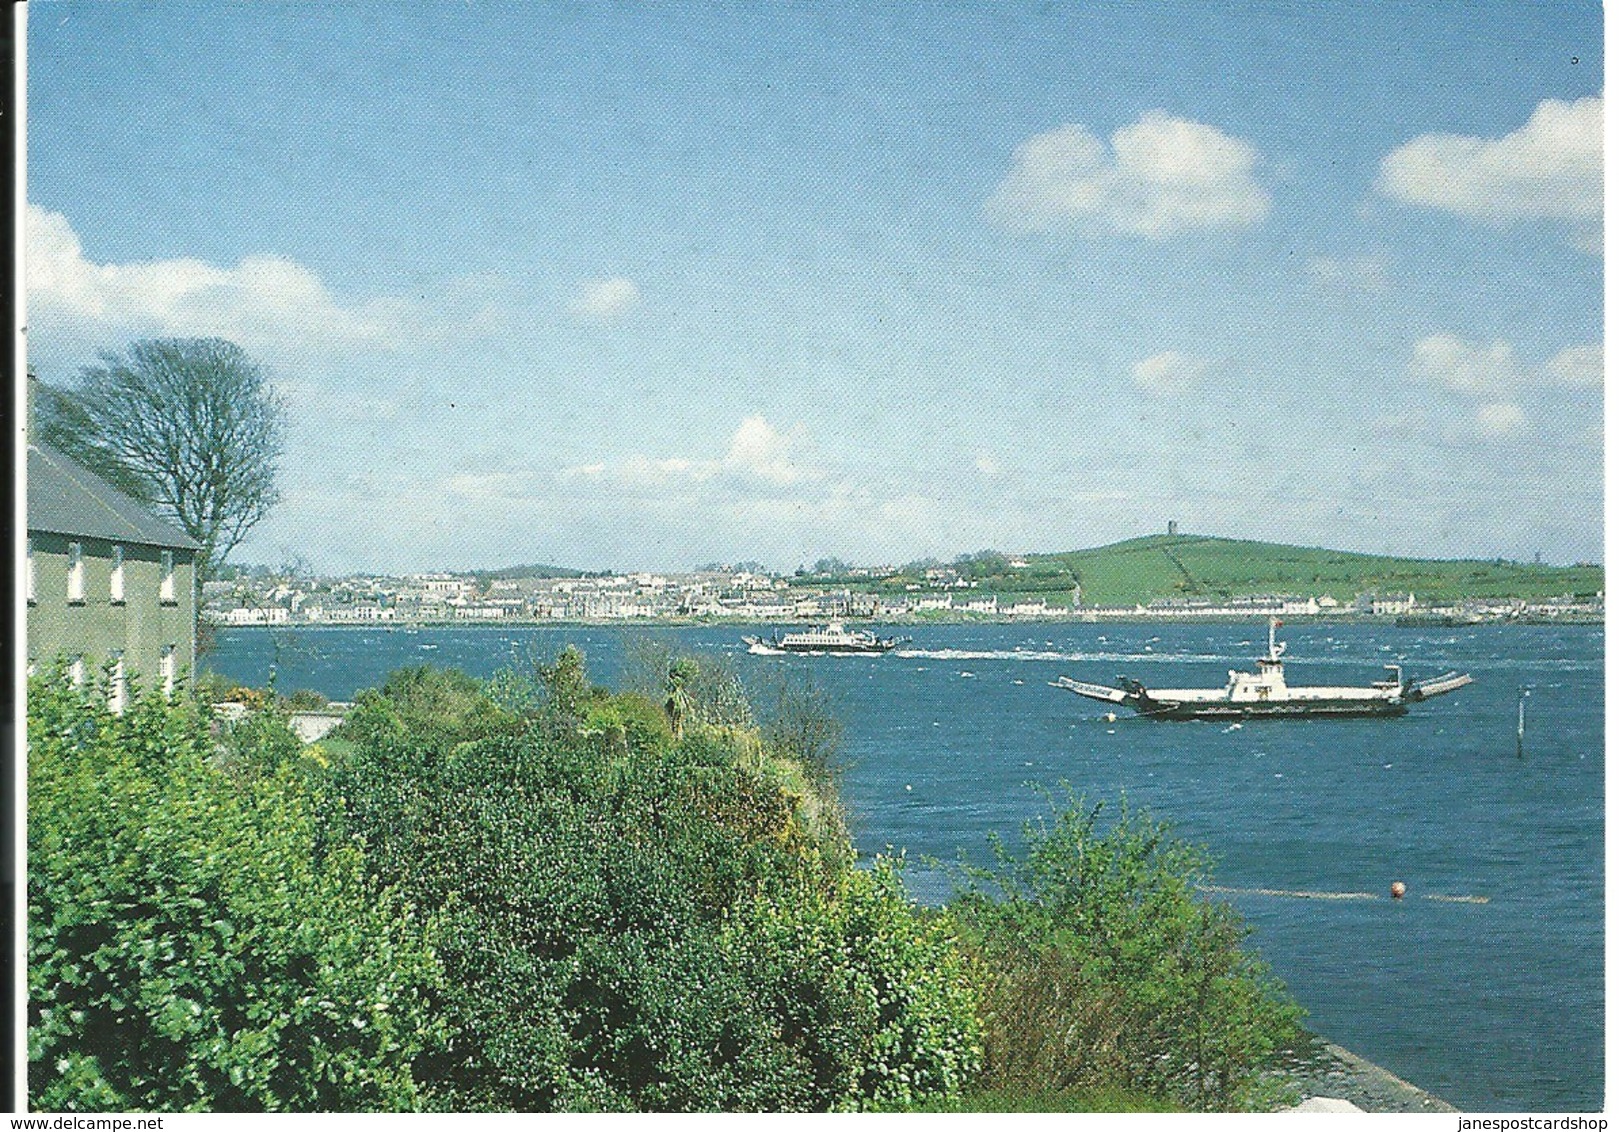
<point x="1339" y="710"/>
<point x="761" y="647"/>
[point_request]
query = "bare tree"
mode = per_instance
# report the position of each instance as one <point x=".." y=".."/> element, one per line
<point x="189" y="426"/>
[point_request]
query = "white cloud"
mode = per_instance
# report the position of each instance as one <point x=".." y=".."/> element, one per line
<point x="1170" y="373"/>
<point x="1579" y="366"/>
<point x="265" y="300"/>
<point x="1160" y="175"/>
<point x="605" y="299"/>
<point x="757" y="449"/>
<point x="1485" y="370"/>
<point x="1467" y="368"/>
<point x="585" y="471"/>
<point x="758" y="454"/>
<point x="1550" y="168"/>
<point x="1499" y="418"/>
<point x="987" y="465"/>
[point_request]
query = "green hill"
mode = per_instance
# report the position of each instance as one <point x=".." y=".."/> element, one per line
<point x="1193" y="566"/>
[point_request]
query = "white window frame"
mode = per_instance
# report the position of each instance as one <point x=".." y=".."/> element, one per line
<point x="115" y="586"/>
<point x="75" y="572"/>
<point x="75" y="671"/>
<point x="166" y="669"/>
<point x="118" y="686"/>
<point x="165" y="587"/>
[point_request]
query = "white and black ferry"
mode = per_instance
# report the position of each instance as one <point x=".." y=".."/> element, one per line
<point x="833" y="639"/>
<point x="1266" y="693"/>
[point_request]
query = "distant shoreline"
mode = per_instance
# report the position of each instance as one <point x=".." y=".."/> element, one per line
<point x="1407" y="621"/>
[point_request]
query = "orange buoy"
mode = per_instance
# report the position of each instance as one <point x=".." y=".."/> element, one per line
<point x="1397" y="889"/>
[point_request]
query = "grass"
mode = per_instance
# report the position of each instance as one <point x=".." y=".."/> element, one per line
<point x="1144" y="570"/>
<point x="1053" y="1100"/>
<point x="1193" y="566"/>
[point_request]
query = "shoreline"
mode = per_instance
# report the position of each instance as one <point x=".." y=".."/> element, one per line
<point x="1327" y="1071"/>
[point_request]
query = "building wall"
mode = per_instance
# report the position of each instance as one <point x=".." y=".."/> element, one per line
<point x="141" y="626"/>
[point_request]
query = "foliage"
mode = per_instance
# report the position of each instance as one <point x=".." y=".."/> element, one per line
<point x="625" y="903"/>
<point x="305" y="699"/>
<point x="1106" y="969"/>
<point x="190" y="426"/>
<point x="712" y="691"/>
<point x="633" y="922"/>
<point x="188" y="947"/>
<point x="436" y="707"/>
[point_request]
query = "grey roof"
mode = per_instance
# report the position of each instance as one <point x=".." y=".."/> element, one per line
<point x="66" y="498"/>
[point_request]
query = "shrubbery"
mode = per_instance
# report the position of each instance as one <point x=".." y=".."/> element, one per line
<point x="1104" y="968"/>
<point x="535" y="894"/>
<point x="189" y="944"/>
<point x="634" y="922"/>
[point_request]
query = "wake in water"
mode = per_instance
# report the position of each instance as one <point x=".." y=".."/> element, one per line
<point x="1049" y="655"/>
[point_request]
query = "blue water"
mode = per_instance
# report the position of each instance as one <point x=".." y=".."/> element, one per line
<point x="1493" y="1006"/>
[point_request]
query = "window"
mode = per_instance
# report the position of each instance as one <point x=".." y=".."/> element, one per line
<point x="165" y="671"/>
<point x="75" y="571"/>
<point x="118" y="691"/>
<point x="30" y="571"/>
<point x="165" y="588"/>
<point x="75" y="672"/>
<point x="117" y="575"/>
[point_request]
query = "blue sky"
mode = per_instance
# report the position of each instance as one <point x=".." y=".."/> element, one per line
<point x="643" y="287"/>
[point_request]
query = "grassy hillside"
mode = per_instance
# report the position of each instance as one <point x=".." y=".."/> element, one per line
<point x="1193" y="566"/>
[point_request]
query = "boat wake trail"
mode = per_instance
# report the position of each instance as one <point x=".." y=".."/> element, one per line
<point x="1307" y="894"/>
<point x="1033" y="654"/>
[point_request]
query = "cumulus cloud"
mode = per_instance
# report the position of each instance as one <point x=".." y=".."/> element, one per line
<point x="1463" y="366"/>
<point x="606" y="299"/>
<point x="1156" y="177"/>
<point x="1170" y="373"/>
<point x="758" y="454"/>
<point x="1550" y="168"/>
<point x="758" y="449"/>
<point x="1496" y="381"/>
<point x="264" y="299"/>
<point x="1579" y="366"/>
<point x="1492" y="368"/>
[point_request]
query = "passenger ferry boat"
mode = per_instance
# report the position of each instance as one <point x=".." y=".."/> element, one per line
<point x="1266" y="693"/>
<point x="816" y="642"/>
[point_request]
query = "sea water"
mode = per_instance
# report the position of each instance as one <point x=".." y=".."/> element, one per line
<point x="1484" y="984"/>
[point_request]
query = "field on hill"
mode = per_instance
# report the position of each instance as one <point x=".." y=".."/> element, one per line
<point x="1191" y="566"/>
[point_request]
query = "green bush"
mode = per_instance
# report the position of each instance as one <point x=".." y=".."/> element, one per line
<point x="436" y="707"/>
<point x="189" y="945"/>
<point x="1104" y="968"/>
<point x="635" y="923"/>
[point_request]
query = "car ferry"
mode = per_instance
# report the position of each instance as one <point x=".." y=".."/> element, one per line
<point x="834" y="639"/>
<point x="1267" y="693"/>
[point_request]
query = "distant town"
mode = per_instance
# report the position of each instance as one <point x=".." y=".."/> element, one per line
<point x="750" y="593"/>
